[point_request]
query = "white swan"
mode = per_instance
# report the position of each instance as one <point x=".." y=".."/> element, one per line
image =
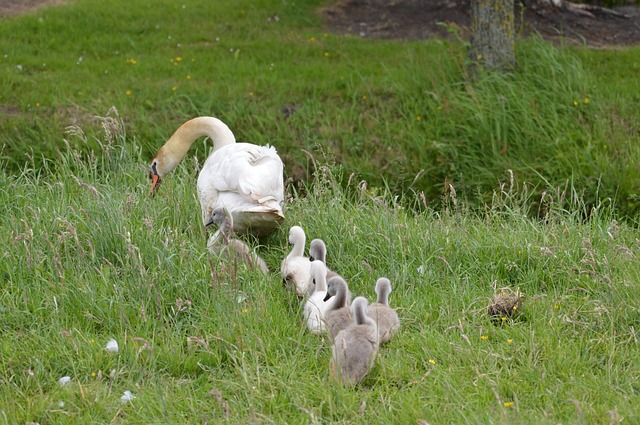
<point x="338" y="316"/>
<point x="355" y="348"/>
<point x="385" y="317"/>
<point x="295" y="268"/>
<point x="221" y="243"/>
<point x="245" y="179"/>
<point x="316" y="306"/>
<point x="318" y="251"/>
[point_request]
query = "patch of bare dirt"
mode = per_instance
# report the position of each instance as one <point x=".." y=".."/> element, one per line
<point x="422" y="19"/>
<point x="16" y="7"/>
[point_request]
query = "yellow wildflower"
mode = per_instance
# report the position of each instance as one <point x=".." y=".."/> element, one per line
<point x="432" y="362"/>
<point x="508" y="403"/>
<point x="484" y="337"/>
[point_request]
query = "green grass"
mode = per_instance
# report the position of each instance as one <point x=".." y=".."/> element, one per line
<point x="404" y="111"/>
<point x="521" y="189"/>
<point x="89" y="257"/>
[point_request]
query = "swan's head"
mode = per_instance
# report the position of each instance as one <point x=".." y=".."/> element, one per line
<point x="383" y="289"/>
<point x="220" y="217"/>
<point x="335" y="286"/>
<point x="296" y="234"/>
<point x="383" y="285"/>
<point x="317" y="250"/>
<point x="359" y="306"/>
<point x="161" y="165"/>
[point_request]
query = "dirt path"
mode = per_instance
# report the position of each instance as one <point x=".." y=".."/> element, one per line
<point x="16" y="7"/>
<point x="420" y="19"/>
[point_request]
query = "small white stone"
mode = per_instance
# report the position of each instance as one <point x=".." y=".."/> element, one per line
<point x="127" y="396"/>
<point x="61" y="404"/>
<point x="64" y="380"/>
<point x="112" y="346"/>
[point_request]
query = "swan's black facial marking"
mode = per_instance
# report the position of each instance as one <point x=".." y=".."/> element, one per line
<point x="154" y="170"/>
<point x="311" y="258"/>
<point x="155" y="177"/>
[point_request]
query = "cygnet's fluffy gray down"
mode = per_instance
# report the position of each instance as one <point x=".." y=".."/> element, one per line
<point x="221" y="243"/>
<point x="355" y="348"/>
<point x="384" y="316"/>
<point x="318" y="251"/>
<point x="338" y="316"/>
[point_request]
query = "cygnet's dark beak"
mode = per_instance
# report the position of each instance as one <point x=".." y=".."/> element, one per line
<point x="326" y="297"/>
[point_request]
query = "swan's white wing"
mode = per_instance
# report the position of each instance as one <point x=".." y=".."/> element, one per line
<point x="296" y="271"/>
<point x="247" y="180"/>
<point x="314" y="313"/>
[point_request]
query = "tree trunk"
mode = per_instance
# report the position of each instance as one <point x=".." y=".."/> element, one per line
<point x="492" y="34"/>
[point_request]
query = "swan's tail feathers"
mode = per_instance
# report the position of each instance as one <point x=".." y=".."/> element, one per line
<point x="258" y="222"/>
<point x="266" y="199"/>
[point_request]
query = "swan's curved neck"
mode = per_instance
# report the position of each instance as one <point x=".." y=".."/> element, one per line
<point x="383" y="296"/>
<point x="341" y="297"/>
<point x="321" y="283"/>
<point x="360" y="315"/>
<point x="227" y="224"/>
<point x="179" y="143"/>
<point x="298" y="245"/>
<point x="319" y="251"/>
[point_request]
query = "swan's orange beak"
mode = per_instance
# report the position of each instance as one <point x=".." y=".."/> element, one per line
<point x="155" y="183"/>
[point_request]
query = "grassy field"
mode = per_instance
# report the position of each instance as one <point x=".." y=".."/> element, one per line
<point x="399" y="110"/>
<point x="529" y="183"/>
